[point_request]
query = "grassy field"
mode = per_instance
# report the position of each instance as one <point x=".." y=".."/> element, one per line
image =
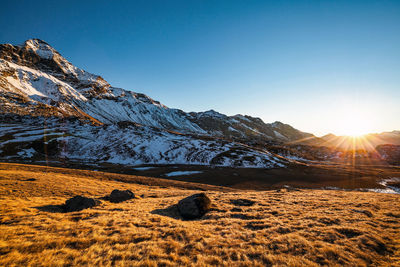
<point x="283" y="227"/>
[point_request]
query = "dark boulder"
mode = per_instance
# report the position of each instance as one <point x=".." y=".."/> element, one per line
<point x="117" y="196"/>
<point x="78" y="203"/>
<point x="194" y="206"/>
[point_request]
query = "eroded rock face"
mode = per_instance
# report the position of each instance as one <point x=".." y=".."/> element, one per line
<point x="78" y="203"/>
<point x="117" y="196"/>
<point x="194" y="206"/>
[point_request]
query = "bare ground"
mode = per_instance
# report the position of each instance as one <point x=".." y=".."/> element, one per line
<point x="295" y="227"/>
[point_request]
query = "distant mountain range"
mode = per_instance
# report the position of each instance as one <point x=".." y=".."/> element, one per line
<point x="87" y="119"/>
<point x="366" y="142"/>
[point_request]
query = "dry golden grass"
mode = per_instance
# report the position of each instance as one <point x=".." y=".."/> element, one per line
<point x="295" y="228"/>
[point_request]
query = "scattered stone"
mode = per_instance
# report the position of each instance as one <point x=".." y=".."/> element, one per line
<point x="117" y="196"/>
<point x="78" y="203"/>
<point x="194" y="206"/>
<point x="242" y="202"/>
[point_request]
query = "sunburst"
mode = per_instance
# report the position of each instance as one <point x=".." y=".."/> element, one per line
<point x="354" y="123"/>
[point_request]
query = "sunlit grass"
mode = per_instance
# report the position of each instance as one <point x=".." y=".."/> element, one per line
<point x="295" y="228"/>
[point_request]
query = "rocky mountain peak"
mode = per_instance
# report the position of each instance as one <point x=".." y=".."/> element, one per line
<point x="39" y="55"/>
<point x="277" y="124"/>
<point x="35" y="42"/>
<point x="40" y="47"/>
<point x="212" y="113"/>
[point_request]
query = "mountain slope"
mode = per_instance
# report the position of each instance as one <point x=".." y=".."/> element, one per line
<point x="122" y="143"/>
<point x="35" y="79"/>
<point x="38" y="82"/>
<point x="36" y="74"/>
<point x="245" y="127"/>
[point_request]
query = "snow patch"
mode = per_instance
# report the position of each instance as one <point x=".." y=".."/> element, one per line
<point x="144" y="168"/>
<point x="26" y="153"/>
<point x="178" y="173"/>
<point x="279" y="135"/>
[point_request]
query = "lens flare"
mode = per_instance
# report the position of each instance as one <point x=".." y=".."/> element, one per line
<point x="354" y="123"/>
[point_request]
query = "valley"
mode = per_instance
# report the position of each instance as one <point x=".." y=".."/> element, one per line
<point x="279" y="196"/>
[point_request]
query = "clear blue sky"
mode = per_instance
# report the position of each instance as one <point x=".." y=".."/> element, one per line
<point x="312" y="64"/>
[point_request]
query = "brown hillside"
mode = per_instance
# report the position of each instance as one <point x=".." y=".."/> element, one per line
<point x="296" y="227"/>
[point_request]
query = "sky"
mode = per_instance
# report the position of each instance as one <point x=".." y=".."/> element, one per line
<point x="320" y="66"/>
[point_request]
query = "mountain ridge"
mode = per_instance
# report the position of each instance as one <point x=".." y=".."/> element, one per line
<point x="88" y="96"/>
<point x="52" y="110"/>
<point x="84" y="118"/>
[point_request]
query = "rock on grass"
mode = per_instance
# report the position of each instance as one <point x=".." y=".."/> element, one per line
<point x="194" y="206"/>
<point x="78" y="203"/>
<point x="117" y="196"/>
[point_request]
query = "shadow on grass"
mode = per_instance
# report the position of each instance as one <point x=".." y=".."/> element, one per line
<point x="51" y="208"/>
<point x="29" y="180"/>
<point x="171" y="211"/>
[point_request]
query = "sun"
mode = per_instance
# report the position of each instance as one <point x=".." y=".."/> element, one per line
<point x="354" y="128"/>
<point x="354" y="123"/>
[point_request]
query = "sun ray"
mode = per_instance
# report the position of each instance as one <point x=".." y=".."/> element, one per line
<point x="301" y="140"/>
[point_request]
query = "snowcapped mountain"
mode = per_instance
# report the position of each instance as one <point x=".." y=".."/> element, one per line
<point x="45" y="101"/>
<point x="35" y="75"/>
<point x="243" y="127"/>
<point x="41" y="138"/>
<point x="35" y="79"/>
<point x="37" y="82"/>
